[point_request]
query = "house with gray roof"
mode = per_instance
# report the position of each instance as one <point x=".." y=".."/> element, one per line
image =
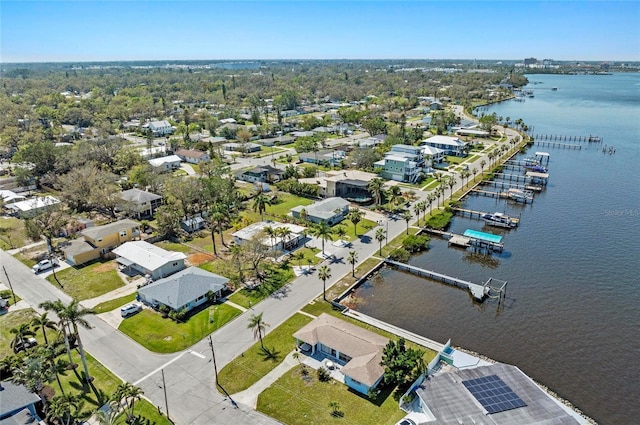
<point x="330" y="210"/>
<point x="166" y="163"/>
<point x="148" y="259"/>
<point x="357" y="350"/>
<point x="186" y="289"/>
<point x="160" y="128"/>
<point x="17" y="404"/>
<point x="140" y="202"/>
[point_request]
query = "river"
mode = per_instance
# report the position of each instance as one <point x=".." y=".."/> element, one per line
<point x="571" y="318"/>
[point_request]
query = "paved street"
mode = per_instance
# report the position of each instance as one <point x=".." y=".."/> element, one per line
<point x="191" y="393"/>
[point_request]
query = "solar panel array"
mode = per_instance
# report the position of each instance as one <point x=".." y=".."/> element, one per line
<point x="493" y="394"/>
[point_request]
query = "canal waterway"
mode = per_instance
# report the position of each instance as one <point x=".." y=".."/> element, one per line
<point x="571" y="318"/>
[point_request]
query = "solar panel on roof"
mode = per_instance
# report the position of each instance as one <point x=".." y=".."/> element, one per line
<point x="493" y="394"/>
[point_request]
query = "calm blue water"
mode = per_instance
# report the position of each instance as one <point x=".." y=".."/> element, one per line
<point x="571" y="318"/>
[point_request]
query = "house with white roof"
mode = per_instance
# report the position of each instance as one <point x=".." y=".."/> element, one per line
<point x="402" y="163"/>
<point x="33" y="206"/>
<point x="193" y="156"/>
<point x="184" y="290"/>
<point x="278" y="242"/>
<point x="160" y="128"/>
<point x="166" y="163"/>
<point x="449" y="144"/>
<point x="330" y="210"/>
<point x="148" y="259"/>
<point x="10" y="197"/>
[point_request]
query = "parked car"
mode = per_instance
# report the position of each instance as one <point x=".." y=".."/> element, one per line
<point x="130" y="309"/>
<point x="24" y="344"/>
<point x="45" y="265"/>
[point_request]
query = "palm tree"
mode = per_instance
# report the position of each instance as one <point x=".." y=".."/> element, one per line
<point x="260" y="202"/>
<point x="20" y="334"/>
<point x="475" y="171"/>
<point x="57" y="306"/>
<point x="324" y="273"/>
<point x="108" y="416"/>
<point x="406" y="216"/>
<point x="340" y="232"/>
<point x="451" y="182"/>
<point x="284" y="233"/>
<point x="271" y="233"/>
<point x="65" y="408"/>
<point x="375" y="187"/>
<point x="429" y="201"/>
<point x="416" y="211"/>
<point x="74" y="314"/>
<point x="380" y="236"/>
<point x="258" y="326"/>
<point x="50" y="354"/>
<point x="323" y="231"/>
<point x="43" y="322"/>
<point x="352" y="258"/>
<point x="128" y="393"/>
<point x="33" y="373"/>
<point x="355" y="216"/>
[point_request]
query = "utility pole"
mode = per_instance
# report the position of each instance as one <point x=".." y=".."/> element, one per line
<point x="10" y="286"/>
<point x="164" y="388"/>
<point x="213" y="353"/>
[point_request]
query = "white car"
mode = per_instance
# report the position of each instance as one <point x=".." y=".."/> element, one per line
<point x="130" y="309"/>
<point x="45" y="265"/>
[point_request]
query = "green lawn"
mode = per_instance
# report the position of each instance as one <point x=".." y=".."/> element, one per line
<point x="172" y="246"/>
<point x="12" y="233"/>
<point x="311" y="399"/>
<point x="308" y="257"/>
<point x="113" y="304"/>
<point x="273" y="212"/>
<point x="246" y="370"/>
<point x="153" y="332"/>
<point x="86" y="282"/>
<point x="13" y="320"/>
<point x="397" y="241"/>
<point x="279" y="276"/>
<point x="364" y="226"/>
<point x="144" y="409"/>
<point x="454" y="159"/>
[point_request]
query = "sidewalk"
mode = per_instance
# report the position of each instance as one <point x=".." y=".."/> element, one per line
<point x="249" y="397"/>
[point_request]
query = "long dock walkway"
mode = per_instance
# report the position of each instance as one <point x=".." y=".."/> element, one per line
<point x="480" y="215"/>
<point x="479" y="292"/>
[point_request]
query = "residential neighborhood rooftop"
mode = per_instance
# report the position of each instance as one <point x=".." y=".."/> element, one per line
<point x="254" y="229"/>
<point x="157" y="162"/>
<point x="324" y="209"/>
<point x="147" y="255"/>
<point x="109" y="229"/>
<point x="139" y="196"/>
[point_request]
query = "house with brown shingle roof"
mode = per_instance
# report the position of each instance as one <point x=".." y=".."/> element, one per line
<point x="193" y="156"/>
<point x="358" y="349"/>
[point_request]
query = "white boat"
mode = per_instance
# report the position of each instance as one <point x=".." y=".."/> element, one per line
<point x="520" y="195"/>
<point x="500" y="220"/>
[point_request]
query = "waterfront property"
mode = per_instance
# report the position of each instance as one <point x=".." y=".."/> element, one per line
<point x="450" y="145"/>
<point x="98" y="241"/>
<point x="330" y="210"/>
<point x="184" y="290"/>
<point x="351" y="185"/>
<point x="357" y="351"/>
<point x="402" y="163"/>
<point x="147" y="259"/>
<point x="278" y="242"/>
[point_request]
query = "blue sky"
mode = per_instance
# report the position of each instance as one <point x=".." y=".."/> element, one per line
<point x="135" y="30"/>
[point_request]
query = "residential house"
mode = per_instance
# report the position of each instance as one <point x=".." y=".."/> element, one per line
<point x="140" y="202"/>
<point x="184" y="290"/>
<point x="372" y="141"/>
<point x="241" y="147"/>
<point x="351" y="185"/>
<point x="358" y="350"/>
<point x="10" y="197"/>
<point x="277" y="243"/>
<point x="330" y="157"/>
<point x="95" y="242"/>
<point x="473" y="132"/>
<point x="449" y="144"/>
<point x="166" y="163"/>
<point x="149" y="259"/>
<point x="263" y="174"/>
<point x="276" y="141"/>
<point x="31" y="207"/>
<point x="432" y="156"/>
<point x="193" y="156"/>
<point x="192" y="224"/>
<point x="17" y="404"/>
<point x="435" y="105"/>
<point x="402" y="163"/>
<point x="160" y="128"/>
<point x="330" y="210"/>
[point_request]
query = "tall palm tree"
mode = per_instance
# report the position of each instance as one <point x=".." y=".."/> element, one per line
<point x="406" y="216"/>
<point x="352" y="258"/>
<point x="271" y="233"/>
<point x="260" y="202"/>
<point x="284" y="233"/>
<point x="323" y="231"/>
<point x="427" y="202"/>
<point x="355" y="216"/>
<point x="483" y="163"/>
<point x="416" y="211"/>
<point x="74" y="314"/>
<point x="20" y="334"/>
<point x="44" y="323"/>
<point x="375" y="187"/>
<point x="475" y="171"/>
<point x="258" y="326"/>
<point x="324" y="273"/>
<point x="65" y="408"/>
<point x="129" y="394"/>
<point x="50" y="354"/>
<point x="451" y="182"/>
<point x="381" y="235"/>
<point x="57" y="306"/>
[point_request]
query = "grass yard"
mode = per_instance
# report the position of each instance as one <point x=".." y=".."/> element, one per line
<point x="12" y="233"/>
<point x="144" y="409"/>
<point x="279" y="277"/>
<point x="150" y="330"/>
<point x="13" y="320"/>
<point x="90" y="281"/>
<point x="286" y="202"/>
<point x="253" y="364"/>
<point x="113" y="304"/>
<point x="364" y="226"/>
<point x="173" y="246"/>
<point x="311" y="399"/>
<point x="397" y="241"/>
<point x="305" y="256"/>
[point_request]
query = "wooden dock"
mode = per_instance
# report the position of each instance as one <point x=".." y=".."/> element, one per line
<point x="557" y="145"/>
<point x="502" y="195"/>
<point x="560" y="138"/>
<point x="479" y="292"/>
<point x="508" y="185"/>
<point x="480" y="214"/>
<point x="466" y="241"/>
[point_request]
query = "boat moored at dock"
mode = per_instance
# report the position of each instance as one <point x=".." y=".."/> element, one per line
<point x="500" y="220"/>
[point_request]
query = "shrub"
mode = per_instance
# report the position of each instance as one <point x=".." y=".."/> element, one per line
<point x="439" y="219"/>
<point x="323" y="375"/>
<point x="415" y="243"/>
<point x="400" y="254"/>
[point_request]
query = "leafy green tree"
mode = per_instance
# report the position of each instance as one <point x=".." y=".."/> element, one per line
<point x="258" y="326"/>
<point x="402" y="365"/>
<point x="65" y="408"/>
<point x="324" y="274"/>
<point x="46" y="223"/>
